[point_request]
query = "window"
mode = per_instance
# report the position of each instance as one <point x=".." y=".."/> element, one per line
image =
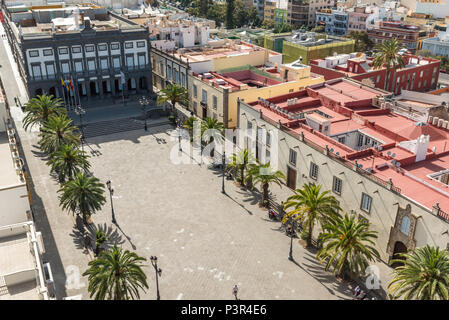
<point x="169" y="73"/>
<point x="48" y="52"/>
<point x="175" y="75"/>
<point x="268" y="139"/>
<point x="313" y="171"/>
<point x="78" y="66"/>
<point x="360" y="140"/>
<point x="89" y="48"/>
<point x="76" y="49"/>
<point x="63" y="51"/>
<point x="183" y="79"/>
<point x="142" y="60"/>
<point x="102" y="47"/>
<point x="140" y="44"/>
<point x="292" y="157"/>
<point x="129" y="45"/>
<point x="104" y="64"/>
<point x="65" y="68"/>
<point x="342" y="139"/>
<point x="366" y="202"/>
<point x="50" y="68"/>
<point x="115" y="46"/>
<point x="267" y="156"/>
<point x="33" y="53"/>
<point x="195" y="105"/>
<point x="91" y="65"/>
<point x="214" y="102"/>
<point x="204" y="96"/>
<point x="195" y="91"/>
<point x="336" y="185"/>
<point x="116" y="62"/>
<point x="130" y="61"/>
<point x="37" y="71"/>
<point x="405" y="225"/>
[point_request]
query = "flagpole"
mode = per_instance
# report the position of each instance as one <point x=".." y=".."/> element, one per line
<point x="63" y="94"/>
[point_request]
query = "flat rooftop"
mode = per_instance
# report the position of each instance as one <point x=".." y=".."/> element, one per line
<point x="348" y="106"/>
<point x="8" y="175"/>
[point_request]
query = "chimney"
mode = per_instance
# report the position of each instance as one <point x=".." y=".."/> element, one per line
<point x="422" y="143"/>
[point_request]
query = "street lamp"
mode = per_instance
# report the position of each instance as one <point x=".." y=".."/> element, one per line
<point x="290" y="255"/>
<point x="158" y="271"/>
<point x="223" y="162"/>
<point x="80" y="111"/>
<point x="144" y="101"/>
<point x="111" y="192"/>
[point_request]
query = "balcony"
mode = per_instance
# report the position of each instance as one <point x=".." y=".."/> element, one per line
<point x="42" y="78"/>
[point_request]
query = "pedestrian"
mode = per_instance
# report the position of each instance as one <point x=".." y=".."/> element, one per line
<point x="234" y="291"/>
<point x="356" y="291"/>
<point x="87" y="240"/>
<point x="362" y="295"/>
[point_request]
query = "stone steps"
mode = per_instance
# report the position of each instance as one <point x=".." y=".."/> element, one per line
<point x="115" y="126"/>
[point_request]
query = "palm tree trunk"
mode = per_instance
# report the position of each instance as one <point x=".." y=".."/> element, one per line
<point x="309" y="236"/>
<point x="264" y="193"/>
<point x="387" y="79"/>
<point x="242" y="175"/>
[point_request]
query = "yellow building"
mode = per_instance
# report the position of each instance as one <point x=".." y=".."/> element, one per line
<point x="269" y="10"/>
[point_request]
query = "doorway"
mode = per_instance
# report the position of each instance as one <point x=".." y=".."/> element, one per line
<point x="399" y="248"/>
<point x="291" y="178"/>
<point x="204" y="113"/>
<point x="93" y="88"/>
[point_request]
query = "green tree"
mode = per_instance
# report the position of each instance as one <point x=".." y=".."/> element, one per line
<point x="230" y="9"/>
<point x="388" y="57"/>
<point x="84" y="194"/>
<point x="240" y="163"/>
<point x="173" y="94"/>
<point x="265" y="175"/>
<point x="100" y="238"/>
<point x="347" y="245"/>
<point x="68" y="161"/>
<point x="38" y="110"/>
<point x="268" y="24"/>
<point x="310" y="206"/>
<point x="424" y="275"/>
<point x="189" y="123"/>
<point x="57" y="131"/>
<point x="116" y="275"/>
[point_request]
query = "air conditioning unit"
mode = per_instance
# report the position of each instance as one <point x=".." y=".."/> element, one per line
<point x="207" y="75"/>
<point x="220" y="82"/>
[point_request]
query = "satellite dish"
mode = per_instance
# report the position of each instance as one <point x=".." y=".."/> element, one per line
<point x="393" y="162"/>
<point x="360" y="166"/>
<point x="393" y="155"/>
<point x="338" y="153"/>
<point x="389" y="152"/>
<point x="379" y="148"/>
<point x="331" y="149"/>
<point x="434" y="149"/>
<point x="398" y="164"/>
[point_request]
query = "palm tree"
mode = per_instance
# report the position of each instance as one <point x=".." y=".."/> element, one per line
<point x="57" y="131"/>
<point x="264" y="174"/>
<point x="240" y="162"/>
<point x="389" y="57"/>
<point x="424" y="275"/>
<point x="174" y="94"/>
<point x="347" y="245"/>
<point x="83" y="194"/>
<point x="116" y="275"/>
<point x="212" y="130"/>
<point x="67" y="161"/>
<point x="38" y="110"/>
<point x="309" y="206"/>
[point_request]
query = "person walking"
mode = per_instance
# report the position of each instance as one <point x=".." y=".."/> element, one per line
<point x="356" y="291"/>
<point x="234" y="291"/>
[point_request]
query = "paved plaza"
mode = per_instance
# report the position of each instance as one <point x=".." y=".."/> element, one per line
<point x="205" y="241"/>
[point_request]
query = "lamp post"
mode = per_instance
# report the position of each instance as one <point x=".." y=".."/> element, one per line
<point x="290" y="255"/>
<point x="111" y="192"/>
<point x="223" y="162"/>
<point x="80" y="112"/>
<point x="158" y="271"/>
<point x="144" y="102"/>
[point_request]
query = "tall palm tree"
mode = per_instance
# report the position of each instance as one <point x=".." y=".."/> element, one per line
<point x="38" y="110"/>
<point x="310" y="206"/>
<point x="388" y="57"/>
<point x="264" y="174"/>
<point x="347" y="245"/>
<point x="57" y="131"/>
<point x="83" y="194"/>
<point x="424" y="275"/>
<point x="240" y="162"/>
<point x="67" y="161"/>
<point x="212" y="130"/>
<point x="174" y="94"/>
<point x="116" y="275"/>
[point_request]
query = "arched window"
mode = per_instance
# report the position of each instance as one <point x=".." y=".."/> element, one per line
<point x="405" y="225"/>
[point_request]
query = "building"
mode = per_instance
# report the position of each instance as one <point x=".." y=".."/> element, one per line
<point x="410" y="36"/>
<point x="385" y="167"/>
<point x="105" y="55"/>
<point x="260" y="7"/>
<point x="357" y="17"/>
<point x="335" y="21"/>
<point x="303" y="12"/>
<point x="280" y="17"/>
<point x="439" y="45"/>
<point x="168" y="69"/>
<point x="420" y="74"/>
<point x="269" y="10"/>
<point x="23" y="275"/>
<point x="436" y="8"/>
<point x="307" y="45"/>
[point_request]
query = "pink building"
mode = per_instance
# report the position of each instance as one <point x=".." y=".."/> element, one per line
<point x="357" y="18"/>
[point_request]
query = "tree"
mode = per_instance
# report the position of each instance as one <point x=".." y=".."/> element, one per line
<point x="116" y="275"/>
<point x="240" y="162"/>
<point x="389" y="57"/>
<point x="230" y="8"/>
<point x="267" y="24"/>
<point x="67" y="161"/>
<point x="284" y="27"/>
<point x="100" y="238"/>
<point x="362" y="41"/>
<point x="347" y="245"/>
<point x="264" y="174"/>
<point x="84" y="194"/>
<point x="38" y="110"/>
<point x="57" y="131"/>
<point x="174" y="94"/>
<point x="424" y="275"/>
<point x="212" y="130"/>
<point x="189" y="123"/>
<point x="310" y="206"/>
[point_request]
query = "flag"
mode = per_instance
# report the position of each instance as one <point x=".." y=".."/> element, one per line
<point x="64" y="85"/>
<point x="71" y="83"/>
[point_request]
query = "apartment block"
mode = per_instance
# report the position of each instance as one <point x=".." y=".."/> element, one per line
<point x="303" y="12"/>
